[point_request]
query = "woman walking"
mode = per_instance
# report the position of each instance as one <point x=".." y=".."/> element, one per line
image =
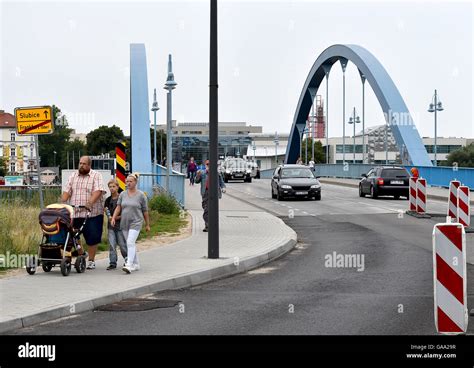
<point x="133" y="207"/>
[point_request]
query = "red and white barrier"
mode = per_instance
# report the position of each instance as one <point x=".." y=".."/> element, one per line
<point x="453" y="200"/>
<point x="464" y="211"/>
<point x="412" y="193"/>
<point x="450" y="287"/>
<point x="421" y="196"/>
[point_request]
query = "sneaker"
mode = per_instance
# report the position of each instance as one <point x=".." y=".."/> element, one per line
<point x="127" y="269"/>
<point x="111" y="267"/>
<point x="135" y="267"/>
<point x="91" y="265"/>
<point x="205" y="229"/>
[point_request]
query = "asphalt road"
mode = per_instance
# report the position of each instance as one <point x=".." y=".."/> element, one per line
<point x="389" y="293"/>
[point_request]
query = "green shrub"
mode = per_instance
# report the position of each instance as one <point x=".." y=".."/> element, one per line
<point x="164" y="203"/>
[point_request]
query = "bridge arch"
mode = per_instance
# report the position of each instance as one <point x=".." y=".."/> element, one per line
<point x="396" y="113"/>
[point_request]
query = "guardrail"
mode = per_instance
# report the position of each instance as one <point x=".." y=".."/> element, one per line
<point x="439" y="176"/>
<point x="148" y="182"/>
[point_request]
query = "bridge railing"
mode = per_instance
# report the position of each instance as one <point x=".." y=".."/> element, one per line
<point x="438" y="176"/>
<point x="155" y="183"/>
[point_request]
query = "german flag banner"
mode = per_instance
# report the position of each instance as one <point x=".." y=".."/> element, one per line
<point x="121" y="160"/>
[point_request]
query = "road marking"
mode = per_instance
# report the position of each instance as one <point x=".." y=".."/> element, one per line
<point x="305" y="212"/>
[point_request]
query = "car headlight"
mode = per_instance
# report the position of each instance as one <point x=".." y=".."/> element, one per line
<point x="315" y="186"/>
<point x="227" y="171"/>
<point x="286" y="187"/>
<point x="248" y="171"/>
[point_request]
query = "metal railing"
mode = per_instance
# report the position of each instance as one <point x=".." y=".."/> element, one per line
<point x="152" y="184"/>
<point x="29" y="196"/>
<point x="437" y="176"/>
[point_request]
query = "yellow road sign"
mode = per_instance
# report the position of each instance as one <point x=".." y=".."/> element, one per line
<point x="34" y="120"/>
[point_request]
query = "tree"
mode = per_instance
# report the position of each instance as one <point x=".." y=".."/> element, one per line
<point x="103" y="139"/>
<point x="3" y="166"/>
<point x="160" y="137"/>
<point x="463" y="157"/>
<point x="319" y="154"/>
<point x="79" y="148"/>
<point x="55" y="142"/>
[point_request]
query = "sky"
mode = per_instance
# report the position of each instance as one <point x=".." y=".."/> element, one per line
<point x="76" y="55"/>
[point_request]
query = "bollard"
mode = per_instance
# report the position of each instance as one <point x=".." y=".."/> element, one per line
<point x="412" y="193"/>
<point x="421" y="196"/>
<point x="450" y="287"/>
<point x="464" y="211"/>
<point x="453" y="199"/>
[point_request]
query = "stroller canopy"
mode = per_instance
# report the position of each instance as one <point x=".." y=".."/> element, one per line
<point x="55" y="213"/>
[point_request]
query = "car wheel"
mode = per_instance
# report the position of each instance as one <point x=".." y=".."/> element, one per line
<point x="317" y="197"/>
<point x="250" y="180"/>
<point x="361" y="192"/>
<point x="373" y="193"/>
<point x="396" y="196"/>
<point x="226" y="180"/>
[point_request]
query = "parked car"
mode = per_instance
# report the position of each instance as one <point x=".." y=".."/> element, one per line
<point x="236" y="169"/>
<point x="296" y="181"/>
<point x="385" y="180"/>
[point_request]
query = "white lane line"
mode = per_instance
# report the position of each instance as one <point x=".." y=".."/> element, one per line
<point x="305" y="212"/>
<point x="379" y="207"/>
<point x="312" y="214"/>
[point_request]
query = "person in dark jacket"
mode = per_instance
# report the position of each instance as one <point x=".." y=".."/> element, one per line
<point x="192" y="168"/>
<point x="202" y="177"/>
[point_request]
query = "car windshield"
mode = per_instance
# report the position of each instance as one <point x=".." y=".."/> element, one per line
<point x="297" y="173"/>
<point x="235" y="164"/>
<point x="394" y="173"/>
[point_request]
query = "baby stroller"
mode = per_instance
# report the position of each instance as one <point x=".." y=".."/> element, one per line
<point x="60" y="241"/>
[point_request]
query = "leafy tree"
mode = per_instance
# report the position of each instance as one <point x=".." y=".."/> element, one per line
<point x="463" y="157"/>
<point x="160" y="137"/>
<point x="55" y="142"/>
<point x="319" y="154"/>
<point x="103" y="139"/>
<point x="79" y="148"/>
<point x="3" y="166"/>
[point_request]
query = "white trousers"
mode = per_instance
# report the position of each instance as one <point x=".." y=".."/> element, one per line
<point x="132" y="256"/>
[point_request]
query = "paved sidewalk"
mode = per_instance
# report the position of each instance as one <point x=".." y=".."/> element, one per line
<point x="249" y="238"/>
<point x="437" y="193"/>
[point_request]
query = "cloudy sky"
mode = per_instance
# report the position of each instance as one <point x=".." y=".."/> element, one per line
<point x="76" y="55"/>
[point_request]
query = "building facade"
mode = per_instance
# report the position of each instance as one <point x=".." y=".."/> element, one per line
<point x="191" y="139"/>
<point x="18" y="151"/>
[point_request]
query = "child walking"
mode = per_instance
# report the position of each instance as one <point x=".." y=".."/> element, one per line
<point x="115" y="235"/>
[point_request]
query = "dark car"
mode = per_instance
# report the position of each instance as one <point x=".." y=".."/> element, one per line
<point x="385" y="180"/>
<point x="297" y="181"/>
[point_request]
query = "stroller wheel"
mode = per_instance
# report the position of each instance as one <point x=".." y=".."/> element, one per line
<point x="65" y="266"/>
<point x="80" y="264"/>
<point x="46" y="266"/>
<point x="31" y="265"/>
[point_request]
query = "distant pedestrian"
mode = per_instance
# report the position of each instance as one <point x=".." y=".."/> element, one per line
<point x="192" y="168"/>
<point x="132" y="205"/>
<point x="115" y="235"/>
<point x="202" y="177"/>
<point x="86" y="188"/>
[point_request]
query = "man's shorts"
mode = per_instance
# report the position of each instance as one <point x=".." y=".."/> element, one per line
<point x="93" y="230"/>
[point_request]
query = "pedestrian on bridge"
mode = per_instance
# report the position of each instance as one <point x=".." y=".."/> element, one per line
<point x="202" y="177"/>
<point x="86" y="188"/>
<point x="132" y="205"/>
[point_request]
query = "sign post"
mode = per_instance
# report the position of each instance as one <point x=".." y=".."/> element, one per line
<point x="35" y="120"/>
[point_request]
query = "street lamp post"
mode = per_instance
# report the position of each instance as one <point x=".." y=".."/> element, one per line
<point x="154" y="108"/>
<point x="54" y="158"/>
<point x="169" y="86"/>
<point x="354" y="120"/>
<point x="277" y="142"/>
<point x="435" y="106"/>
